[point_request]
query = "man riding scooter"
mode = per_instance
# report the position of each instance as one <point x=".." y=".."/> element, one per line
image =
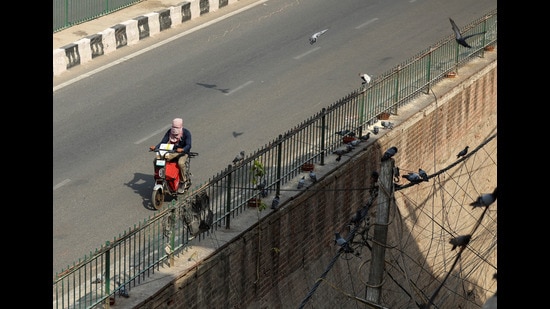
<point x="181" y="138"/>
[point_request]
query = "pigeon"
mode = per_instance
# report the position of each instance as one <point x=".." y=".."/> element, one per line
<point x="349" y="147"/>
<point x="342" y="132"/>
<point x="340" y="152"/>
<point x="485" y="199"/>
<point x="460" y="241"/>
<point x="123" y="292"/>
<point x="387" y="125"/>
<point x="375" y="130"/>
<point x="365" y="137"/>
<point x="365" y="78"/>
<point x="458" y="36"/>
<point x="275" y="202"/>
<point x="239" y="158"/>
<point x="342" y="243"/>
<point x="313" y="176"/>
<point x="355" y="142"/>
<point x="463" y="152"/>
<point x="338" y="158"/>
<point x="302" y="182"/>
<point x="262" y="188"/>
<point x="315" y="36"/>
<point x="98" y="280"/>
<point x="389" y="153"/>
<point x="423" y="174"/>
<point x="413" y="177"/>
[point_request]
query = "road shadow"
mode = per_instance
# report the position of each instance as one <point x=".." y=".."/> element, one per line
<point x="143" y="184"/>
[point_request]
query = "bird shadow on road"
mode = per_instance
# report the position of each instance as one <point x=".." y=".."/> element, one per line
<point x="142" y="184"/>
<point x="210" y="86"/>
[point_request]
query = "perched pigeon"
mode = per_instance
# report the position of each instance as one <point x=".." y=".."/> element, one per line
<point x="343" y="132"/>
<point x="460" y="241"/>
<point x="302" y="182"/>
<point x="389" y="153"/>
<point x="413" y="177"/>
<point x="262" y="187"/>
<point x="375" y="130"/>
<point x="342" y="243"/>
<point x="458" y="36"/>
<point x="338" y="158"/>
<point x="355" y="142"/>
<point x="340" y="152"/>
<point x="123" y="292"/>
<point x="275" y="202"/>
<point x="485" y="199"/>
<point x="365" y="137"/>
<point x="463" y="152"/>
<point x="387" y="125"/>
<point x="423" y="174"/>
<point x="365" y="79"/>
<point x="315" y="36"/>
<point x="239" y="158"/>
<point x="313" y="176"/>
<point x="349" y="147"/>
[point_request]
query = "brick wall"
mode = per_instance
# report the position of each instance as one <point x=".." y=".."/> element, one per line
<point x="277" y="261"/>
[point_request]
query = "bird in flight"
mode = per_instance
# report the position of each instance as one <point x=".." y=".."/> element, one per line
<point x="458" y="36"/>
<point x="315" y="36"/>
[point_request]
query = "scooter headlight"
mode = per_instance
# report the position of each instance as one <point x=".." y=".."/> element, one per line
<point x="162" y="173"/>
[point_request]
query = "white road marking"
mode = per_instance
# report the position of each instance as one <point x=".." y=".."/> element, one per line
<point x="240" y="87"/>
<point x="61" y="184"/>
<point x="364" y="24"/>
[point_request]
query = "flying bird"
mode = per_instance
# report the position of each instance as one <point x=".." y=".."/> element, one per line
<point x="389" y="153"/>
<point x="458" y="36"/>
<point x="239" y="158"/>
<point x="364" y="78"/>
<point x="463" y="152"/>
<point x="485" y="199"/>
<point x="313" y="176"/>
<point x="302" y="182"/>
<point x="315" y="36"/>
<point x="275" y="202"/>
<point x="423" y="174"/>
<point x="387" y="125"/>
<point x="413" y="177"/>
<point x="460" y="241"/>
<point x="340" y="241"/>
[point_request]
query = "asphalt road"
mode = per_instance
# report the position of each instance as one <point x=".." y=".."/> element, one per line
<point x="238" y="83"/>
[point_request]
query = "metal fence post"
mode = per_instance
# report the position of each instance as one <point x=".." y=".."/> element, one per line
<point x="228" y="200"/>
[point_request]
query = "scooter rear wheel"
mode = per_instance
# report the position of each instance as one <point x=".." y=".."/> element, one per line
<point x="157" y="199"/>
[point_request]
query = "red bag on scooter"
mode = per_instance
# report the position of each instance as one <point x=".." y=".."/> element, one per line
<point x="172" y="175"/>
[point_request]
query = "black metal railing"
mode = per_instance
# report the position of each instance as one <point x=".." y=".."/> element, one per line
<point x="133" y="256"/>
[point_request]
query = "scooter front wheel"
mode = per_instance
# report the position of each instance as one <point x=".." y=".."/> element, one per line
<point x="157" y="199"/>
